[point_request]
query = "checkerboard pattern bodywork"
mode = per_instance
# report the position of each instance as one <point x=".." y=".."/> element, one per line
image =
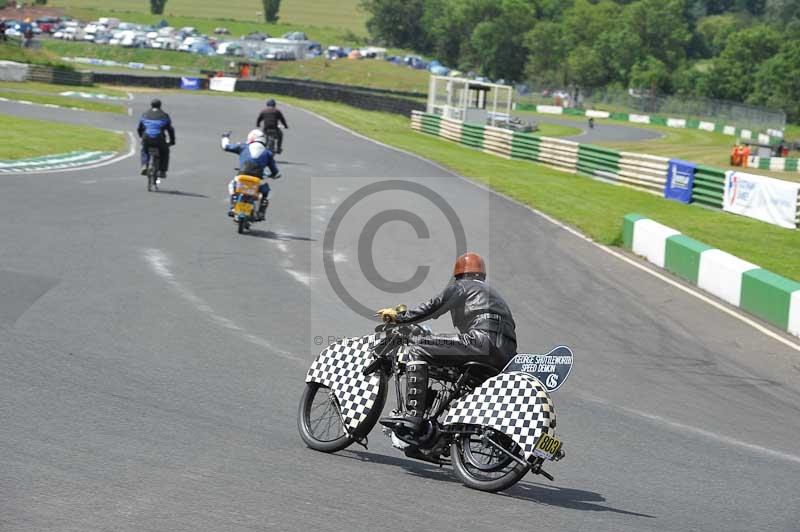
<point x="514" y="403"/>
<point x="340" y="367"/>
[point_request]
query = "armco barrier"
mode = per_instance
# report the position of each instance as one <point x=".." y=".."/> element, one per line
<point x="355" y="96"/>
<point x="60" y="76"/>
<point x="363" y="99"/>
<point x="762" y="293"/>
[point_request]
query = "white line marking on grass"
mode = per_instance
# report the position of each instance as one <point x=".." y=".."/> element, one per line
<point x="131" y="151"/>
<point x="738" y="315"/>
<point x="161" y="266"/>
<point x="695" y="430"/>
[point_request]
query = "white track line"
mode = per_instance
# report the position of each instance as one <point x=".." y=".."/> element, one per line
<point x="738" y="315"/>
<point x="695" y="430"/>
<point x="160" y="265"/>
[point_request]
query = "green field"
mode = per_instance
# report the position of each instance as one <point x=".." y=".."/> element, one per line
<point x="63" y="101"/>
<point x="51" y="138"/>
<point x="33" y="86"/>
<point x="365" y="72"/>
<point x="136" y="55"/>
<point x="322" y="20"/>
<point x="11" y="51"/>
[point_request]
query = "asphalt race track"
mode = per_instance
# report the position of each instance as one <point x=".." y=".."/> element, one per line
<point x="152" y="359"/>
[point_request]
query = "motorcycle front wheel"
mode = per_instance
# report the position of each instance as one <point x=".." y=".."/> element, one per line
<point x="319" y="419"/>
<point x="482" y="466"/>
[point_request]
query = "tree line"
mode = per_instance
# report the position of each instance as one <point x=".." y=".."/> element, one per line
<point x="741" y="50"/>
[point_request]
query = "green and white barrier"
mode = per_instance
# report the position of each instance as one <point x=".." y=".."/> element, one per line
<point x="762" y="293"/>
<point x="779" y="164"/>
<point x="771" y="136"/>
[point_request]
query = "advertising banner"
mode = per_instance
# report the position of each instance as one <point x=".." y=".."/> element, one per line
<point x="763" y="198"/>
<point x="680" y="178"/>
<point x="222" y="84"/>
<point x="192" y="84"/>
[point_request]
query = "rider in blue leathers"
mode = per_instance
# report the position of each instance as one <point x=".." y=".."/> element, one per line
<point x="154" y="127"/>
<point x="254" y="160"/>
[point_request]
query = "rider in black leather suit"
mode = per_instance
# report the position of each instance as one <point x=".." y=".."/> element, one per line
<point x="486" y="333"/>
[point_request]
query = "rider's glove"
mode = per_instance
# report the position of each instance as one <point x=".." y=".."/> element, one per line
<point x="388" y="315"/>
<point x="276" y="175"/>
<point x="171" y="142"/>
<point x="227" y="134"/>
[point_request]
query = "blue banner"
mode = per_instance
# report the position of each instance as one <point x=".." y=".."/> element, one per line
<point x="190" y="83"/>
<point x="680" y="178"/>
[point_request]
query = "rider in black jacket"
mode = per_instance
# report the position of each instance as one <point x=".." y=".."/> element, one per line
<point x="270" y="117"/>
<point x="486" y="333"/>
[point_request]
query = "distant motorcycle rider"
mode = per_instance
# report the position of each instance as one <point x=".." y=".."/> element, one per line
<point x="486" y="333"/>
<point x="154" y="127"/>
<point x="254" y="160"/>
<point x="270" y="117"/>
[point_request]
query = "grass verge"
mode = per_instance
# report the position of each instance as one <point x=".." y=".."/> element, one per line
<point x="64" y="101"/>
<point x="703" y="147"/>
<point x="11" y="51"/>
<point x="365" y="73"/>
<point x="147" y="56"/>
<point x="52" y="138"/>
<point x="34" y="86"/>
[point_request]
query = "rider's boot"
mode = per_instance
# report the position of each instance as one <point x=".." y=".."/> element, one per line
<point x="262" y="208"/>
<point x="416" y="397"/>
<point x="144" y="169"/>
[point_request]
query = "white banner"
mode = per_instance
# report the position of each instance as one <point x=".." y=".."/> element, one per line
<point x="763" y="198"/>
<point x="222" y="84"/>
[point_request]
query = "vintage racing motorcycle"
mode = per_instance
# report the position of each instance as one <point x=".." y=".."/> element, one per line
<point x="245" y="202"/>
<point x="492" y="427"/>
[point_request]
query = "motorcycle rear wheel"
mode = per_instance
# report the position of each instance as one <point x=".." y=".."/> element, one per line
<point x="482" y="467"/>
<point x="242" y="223"/>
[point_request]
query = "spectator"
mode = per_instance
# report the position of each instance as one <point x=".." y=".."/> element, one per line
<point x="27" y="36"/>
<point x="3" y="30"/>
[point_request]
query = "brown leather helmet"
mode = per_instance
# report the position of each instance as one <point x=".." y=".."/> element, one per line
<point x="469" y="263"/>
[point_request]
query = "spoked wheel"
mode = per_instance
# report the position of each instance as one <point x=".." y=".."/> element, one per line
<point x="319" y="420"/>
<point x="152" y="172"/>
<point x="482" y="466"/>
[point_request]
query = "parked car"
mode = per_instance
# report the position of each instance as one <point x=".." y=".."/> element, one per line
<point x="232" y="48"/>
<point x="335" y="52"/>
<point x="295" y="36"/>
<point x="256" y="36"/>
<point x="165" y="43"/>
<point x="221" y="31"/>
<point x="48" y="24"/>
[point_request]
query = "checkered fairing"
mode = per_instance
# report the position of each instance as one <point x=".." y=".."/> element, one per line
<point x="339" y="367"/>
<point x="515" y="404"/>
